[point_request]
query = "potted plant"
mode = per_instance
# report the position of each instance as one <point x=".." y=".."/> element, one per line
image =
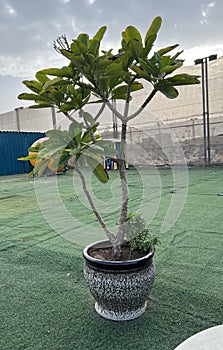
<point x="120" y="270"/>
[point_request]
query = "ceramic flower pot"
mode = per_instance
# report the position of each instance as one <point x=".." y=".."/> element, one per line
<point x="120" y="288"/>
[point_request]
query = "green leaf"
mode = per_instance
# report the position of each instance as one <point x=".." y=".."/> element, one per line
<point x="126" y="60"/>
<point x="33" y="156"/>
<point x="41" y="77"/>
<point x="131" y="33"/>
<point x="100" y="33"/>
<point x="149" y="67"/>
<point x="64" y="159"/>
<point x="58" y="141"/>
<point x="41" y="166"/>
<point x="134" y="41"/>
<point x="168" y="90"/>
<point x="170" y="68"/>
<point x="90" y="63"/>
<point x="94" y="47"/>
<point x="28" y="97"/>
<point x="57" y="96"/>
<point x="154" y="27"/>
<point x="41" y="99"/>
<point x="69" y="106"/>
<point x="184" y="79"/>
<point x="121" y="90"/>
<point x="61" y="135"/>
<point x="84" y="38"/>
<point x="140" y="72"/>
<point x="75" y="51"/>
<point x="86" y="137"/>
<point x="80" y="48"/>
<point x="98" y="169"/>
<point x="54" y="82"/>
<point x="124" y="43"/>
<point x="149" y="44"/>
<point x="105" y="143"/>
<point x="167" y="49"/>
<point x="164" y="60"/>
<point x="75" y="131"/>
<point x="78" y="98"/>
<point x="115" y="70"/>
<point x="57" y="72"/>
<point x="87" y="116"/>
<point x="35" y="148"/>
<point x="33" y="85"/>
<point x="113" y="81"/>
<point x="70" y="55"/>
<point x="173" y="58"/>
<point x="41" y="105"/>
<point x="136" y="49"/>
<point x="103" y="148"/>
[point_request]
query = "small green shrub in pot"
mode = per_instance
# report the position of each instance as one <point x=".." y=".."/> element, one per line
<point x="138" y="234"/>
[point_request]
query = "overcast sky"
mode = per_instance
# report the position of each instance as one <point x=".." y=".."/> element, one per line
<point x="29" y="27"/>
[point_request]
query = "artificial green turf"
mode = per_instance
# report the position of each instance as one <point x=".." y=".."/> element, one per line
<point x="44" y="302"/>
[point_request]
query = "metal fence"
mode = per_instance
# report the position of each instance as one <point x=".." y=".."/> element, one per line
<point x="156" y="141"/>
<point x="177" y="141"/>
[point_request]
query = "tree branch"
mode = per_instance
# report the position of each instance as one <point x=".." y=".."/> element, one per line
<point x="126" y="110"/>
<point x="68" y="116"/>
<point x="100" y="111"/>
<point x="145" y="103"/>
<point x="110" y="236"/>
<point x="122" y="172"/>
<point x="114" y="110"/>
<point x="124" y="187"/>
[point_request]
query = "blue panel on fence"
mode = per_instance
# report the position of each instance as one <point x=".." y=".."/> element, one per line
<point x="12" y="146"/>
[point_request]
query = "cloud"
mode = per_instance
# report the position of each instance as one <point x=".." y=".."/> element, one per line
<point x="28" y="28"/>
<point x="17" y="67"/>
<point x="201" y="51"/>
<point x="7" y="9"/>
<point x="205" y="11"/>
<point x="10" y="10"/>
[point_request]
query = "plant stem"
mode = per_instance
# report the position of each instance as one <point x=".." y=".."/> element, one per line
<point x="145" y="103"/>
<point x="124" y="186"/>
<point x="110" y="236"/>
<point x="114" y="110"/>
<point x="69" y="117"/>
<point x="122" y="170"/>
<point x="100" y="111"/>
<point x="122" y="174"/>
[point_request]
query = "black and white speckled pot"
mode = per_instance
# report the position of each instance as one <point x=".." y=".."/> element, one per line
<point x="120" y="288"/>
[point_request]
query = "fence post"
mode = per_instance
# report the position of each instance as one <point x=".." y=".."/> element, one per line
<point x="54" y="118"/>
<point x="17" y="118"/>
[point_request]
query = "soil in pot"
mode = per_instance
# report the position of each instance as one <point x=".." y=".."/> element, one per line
<point x="105" y="253"/>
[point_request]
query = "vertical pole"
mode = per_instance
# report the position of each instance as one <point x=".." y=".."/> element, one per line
<point x="193" y="129"/>
<point x="130" y="134"/>
<point x="17" y="118"/>
<point x="204" y="112"/>
<point x="115" y="126"/>
<point x="205" y="97"/>
<point x="54" y="119"/>
<point x="207" y="114"/>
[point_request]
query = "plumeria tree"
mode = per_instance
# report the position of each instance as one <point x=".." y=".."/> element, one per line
<point x="94" y="76"/>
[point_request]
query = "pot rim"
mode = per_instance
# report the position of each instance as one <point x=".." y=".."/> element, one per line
<point x="113" y="264"/>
